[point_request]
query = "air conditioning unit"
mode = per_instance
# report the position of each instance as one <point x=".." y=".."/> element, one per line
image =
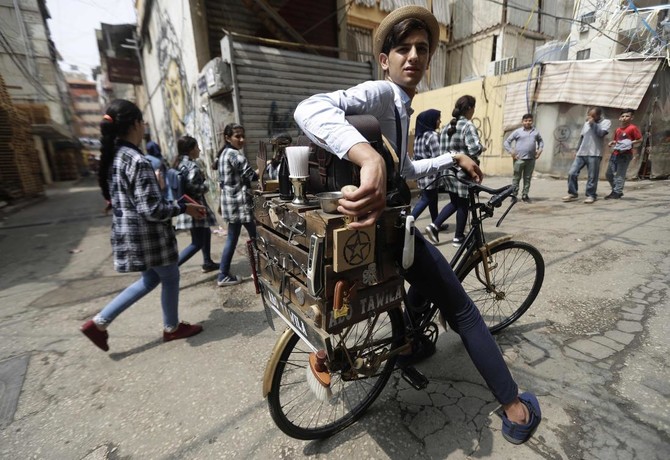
<point x="215" y="78"/>
<point x="504" y="66"/>
<point x="583" y="28"/>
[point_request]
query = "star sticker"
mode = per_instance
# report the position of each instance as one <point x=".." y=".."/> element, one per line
<point x="357" y="248"/>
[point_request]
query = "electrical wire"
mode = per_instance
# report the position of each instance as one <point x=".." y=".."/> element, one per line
<point x="559" y="18"/>
<point x="6" y="45"/>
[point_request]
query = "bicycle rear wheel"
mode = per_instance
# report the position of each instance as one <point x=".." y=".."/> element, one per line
<point x="293" y="405"/>
<point x="516" y="273"/>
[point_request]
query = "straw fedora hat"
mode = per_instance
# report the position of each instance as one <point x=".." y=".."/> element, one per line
<point x="401" y="14"/>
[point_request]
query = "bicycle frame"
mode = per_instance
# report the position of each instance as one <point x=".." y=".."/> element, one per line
<point x="474" y="243"/>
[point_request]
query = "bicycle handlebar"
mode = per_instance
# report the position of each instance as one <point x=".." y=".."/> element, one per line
<point x="496" y="200"/>
<point x="498" y="194"/>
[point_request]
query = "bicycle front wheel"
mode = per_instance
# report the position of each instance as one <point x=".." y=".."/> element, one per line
<point x="358" y="374"/>
<point x="516" y="273"/>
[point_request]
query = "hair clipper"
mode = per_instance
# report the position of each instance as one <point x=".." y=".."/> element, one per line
<point x="408" y="245"/>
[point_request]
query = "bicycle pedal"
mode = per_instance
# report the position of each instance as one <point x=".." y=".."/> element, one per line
<point x="415" y="378"/>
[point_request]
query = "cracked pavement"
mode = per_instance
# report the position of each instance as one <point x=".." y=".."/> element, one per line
<point x="593" y="347"/>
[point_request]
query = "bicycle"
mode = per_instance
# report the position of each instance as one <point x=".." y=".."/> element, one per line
<point x="503" y="277"/>
<point x="361" y="357"/>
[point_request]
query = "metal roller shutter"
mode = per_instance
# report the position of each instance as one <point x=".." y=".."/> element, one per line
<point x="270" y="82"/>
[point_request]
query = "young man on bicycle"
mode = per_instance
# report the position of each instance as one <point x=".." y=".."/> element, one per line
<point x="404" y="43"/>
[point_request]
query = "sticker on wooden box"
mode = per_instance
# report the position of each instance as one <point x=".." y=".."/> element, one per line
<point x="353" y="248"/>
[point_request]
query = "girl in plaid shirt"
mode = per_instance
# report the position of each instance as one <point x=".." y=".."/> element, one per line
<point x="235" y="176"/>
<point x="195" y="187"/>
<point x="459" y="136"/>
<point x="427" y="145"/>
<point x="143" y="239"/>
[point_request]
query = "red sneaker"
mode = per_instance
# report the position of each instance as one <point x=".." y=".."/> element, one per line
<point x="98" y="337"/>
<point x="183" y="331"/>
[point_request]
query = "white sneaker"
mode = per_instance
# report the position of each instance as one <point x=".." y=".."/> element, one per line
<point x="589" y="200"/>
<point x="229" y="280"/>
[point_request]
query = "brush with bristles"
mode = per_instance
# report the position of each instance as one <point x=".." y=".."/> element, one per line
<point x="318" y="377"/>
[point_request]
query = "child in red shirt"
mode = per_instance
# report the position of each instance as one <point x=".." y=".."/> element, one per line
<point x="626" y="138"/>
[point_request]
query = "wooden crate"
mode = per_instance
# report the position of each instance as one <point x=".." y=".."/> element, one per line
<point x="374" y="284"/>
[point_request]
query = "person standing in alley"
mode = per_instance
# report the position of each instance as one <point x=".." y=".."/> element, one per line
<point x="195" y="186"/>
<point x="460" y="135"/>
<point x="160" y="165"/>
<point x="143" y="239"/>
<point x="404" y="43"/>
<point x="427" y="145"/>
<point x="627" y="138"/>
<point x="235" y="176"/>
<point x="589" y="154"/>
<point x="528" y="145"/>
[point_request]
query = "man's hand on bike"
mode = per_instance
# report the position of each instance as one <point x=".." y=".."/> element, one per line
<point x="368" y="202"/>
<point x="469" y="165"/>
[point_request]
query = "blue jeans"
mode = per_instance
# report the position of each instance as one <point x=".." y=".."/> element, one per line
<point x="523" y="169"/>
<point x="201" y="238"/>
<point x="428" y="200"/>
<point x="168" y="276"/>
<point x="460" y="207"/>
<point x="431" y="277"/>
<point x="593" y="168"/>
<point x="616" y="171"/>
<point x="234" y="229"/>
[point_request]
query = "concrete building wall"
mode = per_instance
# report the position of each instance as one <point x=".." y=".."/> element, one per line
<point x="30" y="72"/>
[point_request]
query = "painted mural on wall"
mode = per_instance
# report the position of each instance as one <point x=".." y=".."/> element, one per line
<point x="174" y="88"/>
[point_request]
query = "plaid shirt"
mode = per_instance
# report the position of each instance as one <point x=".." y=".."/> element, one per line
<point x="235" y="176"/>
<point x="427" y="146"/>
<point x="195" y="187"/>
<point x="464" y="140"/>
<point x="142" y="233"/>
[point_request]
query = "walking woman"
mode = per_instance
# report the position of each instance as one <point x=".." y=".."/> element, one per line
<point x="459" y="136"/>
<point x="427" y="145"/>
<point x="143" y="239"/>
<point x="195" y="186"/>
<point x="235" y="176"/>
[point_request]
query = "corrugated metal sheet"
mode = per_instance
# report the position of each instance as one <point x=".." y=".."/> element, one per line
<point x="270" y="82"/>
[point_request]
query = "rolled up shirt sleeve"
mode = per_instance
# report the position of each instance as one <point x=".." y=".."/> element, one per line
<point x="322" y="119"/>
<point x="321" y="116"/>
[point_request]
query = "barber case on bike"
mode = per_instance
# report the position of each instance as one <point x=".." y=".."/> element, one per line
<point x="319" y="276"/>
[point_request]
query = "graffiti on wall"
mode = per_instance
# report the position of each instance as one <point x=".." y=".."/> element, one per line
<point x="483" y="126"/>
<point x="562" y="147"/>
<point x="174" y="87"/>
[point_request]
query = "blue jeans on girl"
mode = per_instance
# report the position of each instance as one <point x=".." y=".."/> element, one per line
<point x="168" y="276"/>
<point x="201" y="239"/>
<point x="428" y="200"/>
<point x="234" y="229"/>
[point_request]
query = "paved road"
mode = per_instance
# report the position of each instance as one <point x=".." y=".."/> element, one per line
<point x="594" y="348"/>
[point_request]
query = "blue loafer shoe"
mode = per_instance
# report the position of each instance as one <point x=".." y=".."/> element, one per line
<point x="516" y="433"/>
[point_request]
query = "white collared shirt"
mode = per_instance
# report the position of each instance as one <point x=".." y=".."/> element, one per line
<point x="321" y="117"/>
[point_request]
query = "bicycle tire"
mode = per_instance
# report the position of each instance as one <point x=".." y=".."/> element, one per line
<point x="517" y="274"/>
<point x="293" y="406"/>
